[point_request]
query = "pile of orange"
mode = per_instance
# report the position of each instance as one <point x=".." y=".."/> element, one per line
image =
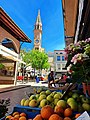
<point x="48" y="113"/>
<point x="16" y="116"/>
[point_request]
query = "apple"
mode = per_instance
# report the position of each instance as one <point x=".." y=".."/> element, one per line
<point x="57" y="95"/>
<point x="26" y="103"/>
<point x="43" y="92"/>
<point x="75" y="95"/>
<point x="70" y="99"/>
<point x="49" y="98"/>
<point x="43" y="103"/>
<point x="62" y="103"/>
<point x="32" y="97"/>
<point x="37" y="96"/>
<point x="48" y="92"/>
<point x="86" y="107"/>
<point x="53" y="93"/>
<point x="33" y="103"/>
<point x="85" y="100"/>
<point x="41" y="97"/>
<point x="55" y="101"/>
<point x="73" y="105"/>
<point x="22" y="101"/>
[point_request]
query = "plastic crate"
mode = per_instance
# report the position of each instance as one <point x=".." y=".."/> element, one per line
<point x="31" y="112"/>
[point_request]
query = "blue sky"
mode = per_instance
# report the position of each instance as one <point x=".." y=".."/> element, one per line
<point x="24" y="13"/>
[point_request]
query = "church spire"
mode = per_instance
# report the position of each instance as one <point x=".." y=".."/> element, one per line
<point x="38" y="20"/>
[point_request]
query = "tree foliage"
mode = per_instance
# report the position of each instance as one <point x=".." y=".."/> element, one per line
<point x="38" y="60"/>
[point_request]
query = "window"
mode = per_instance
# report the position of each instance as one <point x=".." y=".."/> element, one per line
<point x="63" y="58"/>
<point x="58" y="67"/>
<point x="58" y="58"/>
<point x="63" y="66"/>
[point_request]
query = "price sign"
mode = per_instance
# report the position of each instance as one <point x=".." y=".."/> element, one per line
<point x="84" y="116"/>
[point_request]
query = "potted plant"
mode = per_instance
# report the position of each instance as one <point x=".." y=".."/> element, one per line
<point x="78" y="61"/>
<point x="4" y="103"/>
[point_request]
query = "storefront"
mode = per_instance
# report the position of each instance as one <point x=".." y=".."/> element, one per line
<point x="11" y="38"/>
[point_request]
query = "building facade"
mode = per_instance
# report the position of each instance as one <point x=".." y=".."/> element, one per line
<point x="59" y="61"/>
<point x="10" y="38"/>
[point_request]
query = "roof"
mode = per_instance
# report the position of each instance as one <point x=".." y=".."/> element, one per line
<point x="8" y="24"/>
<point x="38" y="20"/>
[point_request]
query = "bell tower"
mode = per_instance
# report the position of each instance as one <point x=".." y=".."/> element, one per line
<point x="38" y="33"/>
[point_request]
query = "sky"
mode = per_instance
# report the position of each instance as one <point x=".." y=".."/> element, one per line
<point x="24" y="13"/>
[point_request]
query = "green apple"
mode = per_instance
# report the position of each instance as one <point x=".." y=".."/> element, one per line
<point x="26" y="103"/>
<point x="37" y="96"/>
<point x="57" y="95"/>
<point x="32" y="97"/>
<point x="22" y="101"/>
<point x="33" y="103"/>
<point x="70" y="99"/>
<point x="43" y="92"/>
<point x="85" y="100"/>
<point x="86" y="107"/>
<point x="75" y="95"/>
<point x="73" y="105"/>
<point x="55" y="101"/>
<point x="53" y="93"/>
<point x="48" y="92"/>
<point x="62" y="103"/>
<point x="41" y="97"/>
<point x="43" y="103"/>
<point x="49" y="98"/>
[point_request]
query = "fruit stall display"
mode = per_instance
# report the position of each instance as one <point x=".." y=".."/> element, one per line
<point x="51" y="105"/>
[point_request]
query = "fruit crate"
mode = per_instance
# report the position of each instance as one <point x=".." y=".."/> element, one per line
<point x="31" y="112"/>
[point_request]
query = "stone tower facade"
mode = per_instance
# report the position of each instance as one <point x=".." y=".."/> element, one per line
<point x="38" y="33"/>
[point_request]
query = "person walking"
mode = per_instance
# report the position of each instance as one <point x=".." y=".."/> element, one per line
<point x="51" y="79"/>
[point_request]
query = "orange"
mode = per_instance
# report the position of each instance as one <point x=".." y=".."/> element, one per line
<point x="15" y="113"/>
<point x="38" y="117"/>
<point x="59" y="110"/>
<point x="22" y="118"/>
<point x="67" y="118"/>
<point x="9" y="116"/>
<point x="23" y="114"/>
<point x="46" y="111"/>
<point x="68" y="112"/>
<point x="55" y="117"/>
<point x="17" y="116"/>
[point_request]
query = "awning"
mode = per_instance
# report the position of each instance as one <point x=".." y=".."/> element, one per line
<point x="11" y="57"/>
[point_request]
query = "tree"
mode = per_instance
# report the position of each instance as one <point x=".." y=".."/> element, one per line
<point x="38" y="60"/>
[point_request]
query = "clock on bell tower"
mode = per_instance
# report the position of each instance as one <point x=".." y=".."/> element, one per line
<point x="38" y="33"/>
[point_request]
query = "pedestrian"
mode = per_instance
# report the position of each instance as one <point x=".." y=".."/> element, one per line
<point x="51" y="79"/>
